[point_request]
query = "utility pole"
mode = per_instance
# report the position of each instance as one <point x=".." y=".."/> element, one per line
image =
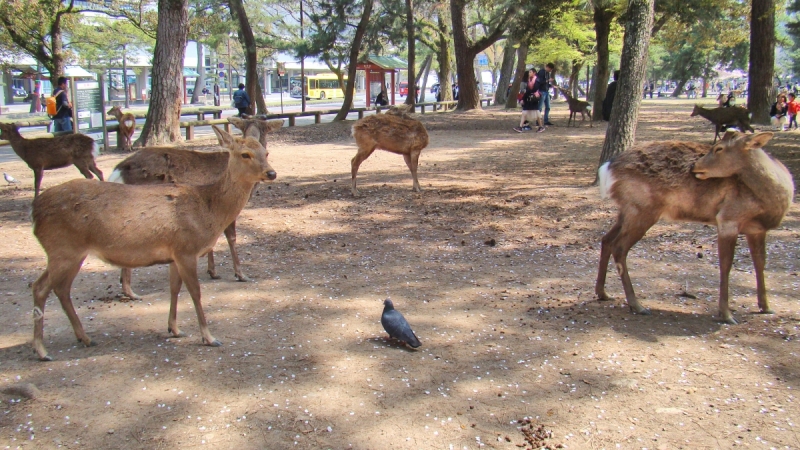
<point x="302" y="65"/>
<point x="230" y="81"/>
<point x="125" y="75"/>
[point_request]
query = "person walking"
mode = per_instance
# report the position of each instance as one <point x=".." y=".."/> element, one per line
<point x="531" y="99"/>
<point x="608" y="102"/>
<point x="543" y="80"/>
<point x="62" y="121"/>
<point x="241" y="100"/>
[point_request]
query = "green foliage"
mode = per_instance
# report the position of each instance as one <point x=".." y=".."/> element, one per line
<point x="98" y="41"/>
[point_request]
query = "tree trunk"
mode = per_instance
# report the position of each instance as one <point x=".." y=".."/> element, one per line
<point x="506" y="72"/>
<point x="522" y="54"/>
<point x="621" y="131"/>
<point x="678" y="88"/>
<point x="762" y="60"/>
<point x="444" y="61"/>
<point x="465" y="56"/>
<point x="162" y="124"/>
<point x="574" y="77"/>
<point x="426" y="68"/>
<point x="57" y="63"/>
<point x="200" y="83"/>
<point x="248" y="42"/>
<point x="355" y="49"/>
<point x="603" y="17"/>
<point x="411" y="98"/>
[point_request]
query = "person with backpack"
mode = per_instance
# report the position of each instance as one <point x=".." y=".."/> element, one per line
<point x="241" y="100"/>
<point x="59" y="108"/>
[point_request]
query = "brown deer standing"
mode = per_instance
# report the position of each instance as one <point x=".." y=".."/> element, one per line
<point x="136" y="226"/>
<point x="159" y="165"/>
<point x="127" y="125"/>
<point x="735" y="186"/>
<point x="255" y="127"/>
<point x="730" y="116"/>
<point x="396" y="132"/>
<point x="577" y="106"/>
<point x="42" y="154"/>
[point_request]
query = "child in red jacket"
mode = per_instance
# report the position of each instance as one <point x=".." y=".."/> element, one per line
<point x="792" y="108"/>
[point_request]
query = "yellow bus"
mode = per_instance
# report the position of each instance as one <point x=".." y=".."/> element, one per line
<point x="321" y="86"/>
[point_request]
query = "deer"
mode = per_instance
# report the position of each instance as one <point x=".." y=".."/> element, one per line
<point x="160" y="165"/>
<point x="127" y="125"/>
<point x="136" y="226"/>
<point x="42" y="154"/>
<point x="733" y="184"/>
<point x="255" y="127"/>
<point x="730" y="116"/>
<point x="577" y="106"/>
<point x="396" y="132"/>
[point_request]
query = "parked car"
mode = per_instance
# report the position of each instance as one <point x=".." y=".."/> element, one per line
<point x="402" y="89"/>
<point x="19" y="92"/>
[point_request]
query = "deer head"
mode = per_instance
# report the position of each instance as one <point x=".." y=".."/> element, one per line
<point x="730" y="155"/>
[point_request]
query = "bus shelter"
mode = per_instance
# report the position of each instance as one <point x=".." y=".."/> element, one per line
<point x="376" y="68"/>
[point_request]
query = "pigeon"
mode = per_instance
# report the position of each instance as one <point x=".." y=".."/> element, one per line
<point x="10" y="179"/>
<point x="396" y="325"/>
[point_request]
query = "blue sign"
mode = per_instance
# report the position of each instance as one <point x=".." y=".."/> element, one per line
<point x="483" y="60"/>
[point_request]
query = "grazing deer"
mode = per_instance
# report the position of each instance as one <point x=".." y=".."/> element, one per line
<point x="731" y="116"/>
<point x="577" y="106"/>
<point x="136" y="226"/>
<point x="736" y="186"/>
<point x="127" y="124"/>
<point x="159" y="165"/>
<point x="42" y="154"/>
<point x="396" y="132"/>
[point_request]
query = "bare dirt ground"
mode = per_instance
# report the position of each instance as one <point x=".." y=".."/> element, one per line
<point x="517" y="351"/>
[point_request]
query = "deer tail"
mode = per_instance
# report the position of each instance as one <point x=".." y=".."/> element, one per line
<point x="606" y="180"/>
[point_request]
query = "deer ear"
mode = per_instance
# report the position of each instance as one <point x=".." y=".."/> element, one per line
<point x="224" y="139"/>
<point x="729" y="135"/>
<point x="273" y="125"/>
<point x="759" y="140"/>
<point x="237" y="122"/>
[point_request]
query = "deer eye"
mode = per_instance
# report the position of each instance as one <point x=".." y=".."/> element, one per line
<point x="716" y="149"/>
<point x="247" y="156"/>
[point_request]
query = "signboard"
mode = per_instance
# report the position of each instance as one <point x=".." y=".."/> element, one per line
<point x="483" y="60"/>
<point x="88" y="105"/>
<point x="281" y="69"/>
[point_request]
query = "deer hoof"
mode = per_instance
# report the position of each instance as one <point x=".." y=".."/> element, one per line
<point x="214" y="343"/>
<point x="729" y="320"/>
<point x="766" y="311"/>
<point x="642" y="311"/>
<point x="242" y="278"/>
<point x="45" y="358"/>
<point x="213" y="275"/>
<point x="174" y="334"/>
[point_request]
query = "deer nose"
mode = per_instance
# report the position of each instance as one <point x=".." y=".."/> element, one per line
<point x="272" y="175"/>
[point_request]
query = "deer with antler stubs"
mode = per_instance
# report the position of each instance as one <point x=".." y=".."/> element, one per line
<point x="577" y="106"/>
<point x="137" y="226"/>
<point x="733" y="184"/>
<point x="127" y="125"/>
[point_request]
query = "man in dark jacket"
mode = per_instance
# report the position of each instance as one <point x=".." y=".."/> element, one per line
<point x="241" y="100"/>
<point x="63" y="118"/>
<point x="608" y="102"/>
<point x="543" y="80"/>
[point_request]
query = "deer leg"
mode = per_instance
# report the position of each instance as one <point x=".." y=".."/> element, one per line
<point x="627" y="237"/>
<point x="93" y="168"/>
<point x="716" y="134"/>
<point x="84" y="170"/>
<point x="412" y="161"/>
<point x="230" y="235"/>
<point x="41" y="289"/>
<point x="726" y="246"/>
<point x="62" y="287"/>
<point x="356" y="162"/>
<point x="125" y="280"/>
<point x="38" y="173"/>
<point x="212" y="268"/>
<point x="605" y="255"/>
<point x="758" y="251"/>
<point x="174" y="289"/>
<point x="187" y="270"/>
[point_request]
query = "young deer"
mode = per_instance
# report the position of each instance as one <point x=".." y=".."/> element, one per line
<point x="159" y="165"/>
<point x="136" y="226"/>
<point x="577" y="106"/>
<point x="42" y="154"/>
<point x="735" y="186"/>
<point x="127" y="124"/>
<point x="730" y="116"/>
<point x="396" y="132"/>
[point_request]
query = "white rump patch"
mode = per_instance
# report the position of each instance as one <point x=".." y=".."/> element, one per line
<point x="130" y="123"/>
<point x="606" y="180"/>
<point x="353" y="131"/>
<point x="95" y="150"/>
<point x="116" y="177"/>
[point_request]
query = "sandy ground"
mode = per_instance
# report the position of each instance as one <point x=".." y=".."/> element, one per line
<point x="517" y="351"/>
